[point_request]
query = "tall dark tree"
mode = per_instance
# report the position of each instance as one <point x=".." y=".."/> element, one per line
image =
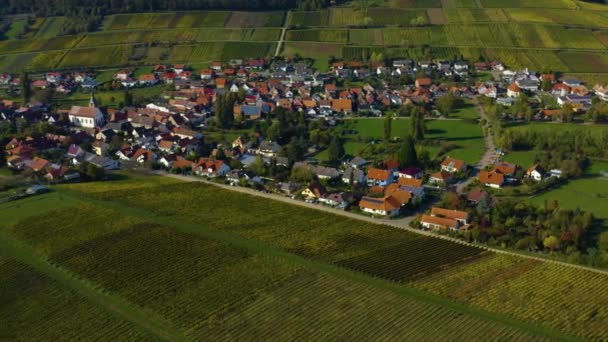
<point x="418" y="126"/>
<point x="407" y="152"/>
<point x="26" y="90"/>
<point x="128" y="98"/>
<point x="224" y="111"/>
<point x="336" y="150"/>
<point x="388" y="126"/>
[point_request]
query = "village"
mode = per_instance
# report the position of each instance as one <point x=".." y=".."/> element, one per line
<point x="275" y="100"/>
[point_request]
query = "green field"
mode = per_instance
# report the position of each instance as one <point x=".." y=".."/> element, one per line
<point x="465" y="137"/>
<point x="128" y="255"/>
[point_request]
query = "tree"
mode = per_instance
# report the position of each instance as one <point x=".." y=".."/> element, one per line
<point x="407" y="152"/>
<point x="26" y="91"/>
<point x="301" y="174"/>
<point x="336" y="150"/>
<point x="418" y="125"/>
<point x="551" y="242"/>
<point x="223" y="110"/>
<point x="128" y="98"/>
<point x="44" y="95"/>
<point x="546" y="84"/>
<point x="445" y="104"/>
<point x="567" y="113"/>
<point x="388" y="126"/>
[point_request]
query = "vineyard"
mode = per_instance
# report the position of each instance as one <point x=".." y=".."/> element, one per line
<point x="317" y="276"/>
<point x="36" y="307"/>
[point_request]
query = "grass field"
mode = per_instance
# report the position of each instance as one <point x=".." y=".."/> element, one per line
<point x="307" y="271"/>
<point x="465" y="136"/>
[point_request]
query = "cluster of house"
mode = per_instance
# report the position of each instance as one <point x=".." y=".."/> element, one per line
<point x="566" y="91"/>
<point x="63" y="83"/>
<point x="502" y="173"/>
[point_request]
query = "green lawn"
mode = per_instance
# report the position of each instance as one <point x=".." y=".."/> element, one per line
<point x="15" y="211"/>
<point x="524" y="159"/>
<point x="17" y="26"/>
<point x="465" y="136"/>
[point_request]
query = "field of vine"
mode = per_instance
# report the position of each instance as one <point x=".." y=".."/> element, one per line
<point x="306" y="19"/>
<point x="321" y="35"/>
<point x="175" y="261"/>
<point x="37" y="308"/>
<point x="503" y="284"/>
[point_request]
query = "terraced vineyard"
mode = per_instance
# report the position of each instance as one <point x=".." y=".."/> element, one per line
<point x="230" y="272"/>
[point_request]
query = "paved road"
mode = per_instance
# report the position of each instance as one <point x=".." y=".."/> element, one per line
<point x="400" y="224"/>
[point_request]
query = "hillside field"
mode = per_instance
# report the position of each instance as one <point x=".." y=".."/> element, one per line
<point x="117" y="250"/>
<point x="568" y="36"/>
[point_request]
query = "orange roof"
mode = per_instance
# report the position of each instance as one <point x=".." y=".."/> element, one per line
<point x="147" y="77"/>
<point x="220" y="82"/>
<point x="423" y="82"/>
<point x="404" y="197"/>
<point x="552" y="112"/>
<point x="457" y="163"/>
<point x="443" y="175"/>
<point x="440" y="221"/>
<point x="514" y="88"/>
<point x="453" y="214"/>
<point x="341" y="104"/>
<point x="487" y="177"/>
<point x="165" y="144"/>
<point x="388" y="203"/>
<point x="412" y="182"/>
<point x="391" y="164"/>
<point x="182" y="163"/>
<point x="505" y="168"/>
<point x="380" y="174"/>
<point x="39" y="164"/>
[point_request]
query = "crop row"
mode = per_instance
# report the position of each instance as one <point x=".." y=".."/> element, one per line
<point x="37" y="308"/>
<point x="531" y="291"/>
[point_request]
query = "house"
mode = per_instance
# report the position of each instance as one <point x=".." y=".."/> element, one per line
<point x="474" y="196"/>
<point x="211" y="168"/>
<point x="379" y="177"/>
<point x="536" y="172"/>
<point x="88" y="117"/>
<point x="491" y="179"/>
<point x="410" y="172"/>
<point x="335" y="199"/>
<point x="452" y="165"/>
<point x="440" y="178"/>
<point x="289" y="187"/>
<point x="356" y="162"/>
<point x="101" y="162"/>
<point x="423" y="82"/>
<point x="387" y="206"/>
<point x="412" y="185"/>
<point x="342" y="105"/>
<point x="269" y="148"/>
<point x="38" y="164"/>
<point x="314" y="191"/>
<point x="122" y="75"/>
<point x="513" y="90"/>
<point x="438" y="223"/>
<point x="248" y="112"/>
<point x="507" y="169"/>
<point x="147" y="79"/>
<point x="357" y="176"/>
<point x="461" y="216"/>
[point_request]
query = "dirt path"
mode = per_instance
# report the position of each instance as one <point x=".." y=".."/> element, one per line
<point x="283" y="32"/>
<point x="400" y="223"/>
